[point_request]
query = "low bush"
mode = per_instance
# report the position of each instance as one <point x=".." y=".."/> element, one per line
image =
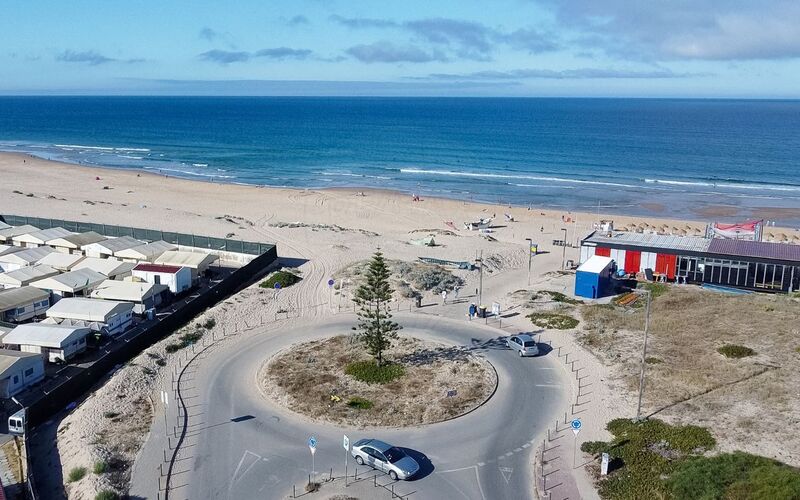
<point x="553" y="320"/>
<point x="110" y="414"/>
<point x="210" y="323"/>
<point x="101" y="467"/>
<point x="735" y="351"/>
<point x="285" y="278"/>
<point x="370" y="372"/>
<point x="359" y="403"/>
<point x="656" y="289"/>
<point x="560" y="297"/>
<point x="184" y="341"/>
<point x="651" y="360"/>
<point x="106" y="495"/>
<point x="76" y="474"/>
<point x="428" y="277"/>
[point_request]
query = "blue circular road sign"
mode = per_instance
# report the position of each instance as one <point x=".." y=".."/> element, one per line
<point x="312" y="442"/>
<point x="576" y="424"/>
<point x="331" y="282"/>
<point x="277" y="286"/>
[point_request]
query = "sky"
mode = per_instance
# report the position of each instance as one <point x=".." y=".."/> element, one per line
<point x="586" y="48"/>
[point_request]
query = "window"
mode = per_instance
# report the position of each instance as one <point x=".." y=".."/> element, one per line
<point x="157" y="279"/>
<point x="20" y="310"/>
<point x="16" y="379"/>
<point x="29" y="372"/>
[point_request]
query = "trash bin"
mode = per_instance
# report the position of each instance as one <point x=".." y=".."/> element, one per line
<point x="482" y="312"/>
<point x="418" y="302"/>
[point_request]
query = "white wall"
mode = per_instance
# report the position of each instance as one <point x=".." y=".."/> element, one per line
<point x="23" y="380"/>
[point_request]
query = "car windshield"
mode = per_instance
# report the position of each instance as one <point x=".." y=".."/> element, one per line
<point x="394" y="454"/>
<point x="530" y="343"/>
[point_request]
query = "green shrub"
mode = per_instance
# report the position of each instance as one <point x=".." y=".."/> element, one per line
<point x="735" y="351"/>
<point x="370" y="372"/>
<point x="184" y="341"/>
<point x="656" y="289"/>
<point x="76" y="474"/>
<point x="170" y="348"/>
<point x="161" y="362"/>
<point x="359" y="403"/>
<point x="285" y="278"/>
<point x="210" y="323"/>
<point x="553" y="320"/>
<point x="560" y="297"/>
<point x="101" y="467"/>
<point x="651" y="360"/>
<point x="106" y="495"/>
<point x="110" y="414"/>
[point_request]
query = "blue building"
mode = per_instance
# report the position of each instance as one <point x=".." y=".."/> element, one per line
<point x="593" y="278"/>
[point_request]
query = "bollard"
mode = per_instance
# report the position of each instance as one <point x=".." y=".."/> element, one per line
<point x="345" y="475"/>
<point x="392" y="491"/>
<point x="330" y="476"/>
<point x="356" y="476"/>
<point x="165" y="455"/>
<point x="294" y="491"/>
<point x="375" y="480"/>
<point x="309" y="479"/>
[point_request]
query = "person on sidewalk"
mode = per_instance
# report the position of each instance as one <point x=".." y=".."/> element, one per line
<point x="472" y="311"/>
<point x="444" y="297"/>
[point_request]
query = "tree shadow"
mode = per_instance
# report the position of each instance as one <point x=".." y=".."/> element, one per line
<point x="426" y="467"/>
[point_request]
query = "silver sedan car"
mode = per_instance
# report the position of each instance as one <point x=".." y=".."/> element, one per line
<point x="523" y="344"/>
<point x="385" y="457"/>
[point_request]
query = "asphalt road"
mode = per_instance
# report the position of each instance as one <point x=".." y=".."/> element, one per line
<point x="243" y="446"/>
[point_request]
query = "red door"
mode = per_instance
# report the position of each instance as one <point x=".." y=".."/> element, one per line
<point x="666" y="264"/>
<point x="603" y="252"/>
<point x="633" y="260"/>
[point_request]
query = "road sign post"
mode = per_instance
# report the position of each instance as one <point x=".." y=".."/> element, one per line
<point x="277" y="289"/>
<point x="312" y="446"/>
<point x="576" y="429"/>
<point x="165" y="400"/>
<point x="346" y="446"/>
<point x="330" y="293"/>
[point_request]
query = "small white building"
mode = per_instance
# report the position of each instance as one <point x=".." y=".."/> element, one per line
<point x="24" y="303"/>
<point x="109" y="316"/>
<point x="23" y="258"/>
<point x="7" y="249"/>
<point x="18" y="371"/>
<point x="147" y="253"/>
<point x="178" y="279"/>
<point x="3" y="225"/>
<point x="62" y="261"/>
<point x="8" y="233"/>
<point x="26" y="275"/>
<point x="106" y="248"/>
<point x="71" y="284"/>
<point x="40" y="238"/>
<point x="72" y="243"/>
<point x="111" y="268"/>
<point x="142" y="295"/>
<point x="198" y="262"/>
<point x="54" y="342"/>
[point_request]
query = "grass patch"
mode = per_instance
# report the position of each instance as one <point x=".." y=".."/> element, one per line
<point x="101" y="467"/>
<point x="210" y="323"/>
<point x="184" y="341"/>
<point x="652" y="360"/>
<point x="553" y="320"/>
<point x="656" y="289"/>
<point x="643" y="454"/>
<point x="76" y="474"/>
<point x="359" y="403"/>
<point x="370" y="372"/>
<point x="285" y="278"/>
<point x="106" y="495"/>
<point x="111" y="414"/>
<point x="735" y="351"/>
<point x="560" y="297"/>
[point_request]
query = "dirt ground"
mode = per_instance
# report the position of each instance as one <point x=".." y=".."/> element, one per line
<point x="744" y="402"/>
<point x="306" y="383"/>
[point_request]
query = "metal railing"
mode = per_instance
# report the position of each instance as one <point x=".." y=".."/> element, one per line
<point x="110" y="230"/>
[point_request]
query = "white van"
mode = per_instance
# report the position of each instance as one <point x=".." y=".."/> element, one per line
<point x="16" y="423"/>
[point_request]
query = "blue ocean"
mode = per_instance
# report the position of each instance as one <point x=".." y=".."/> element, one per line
<point x="700" y="159"/>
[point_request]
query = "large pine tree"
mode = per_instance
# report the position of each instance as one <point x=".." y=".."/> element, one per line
<point x="375" y="328"/>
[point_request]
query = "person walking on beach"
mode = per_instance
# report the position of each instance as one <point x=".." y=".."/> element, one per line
<point x="444" y="297"/>
<point x="455" y="292"/>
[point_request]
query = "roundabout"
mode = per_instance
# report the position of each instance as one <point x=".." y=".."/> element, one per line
<point x="243" y="445"/>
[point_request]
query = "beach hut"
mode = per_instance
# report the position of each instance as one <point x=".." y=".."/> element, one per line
<point x="24" y="258"/>
<point x="146" y="253"/>
<point x="7" y="234"/>
<point x="26" y="275"/>
<point x="111" y="268"/>
<point x="198" y="262"/>
<point x="178" y="279"/>
<point x="40" y="238"/>
<point x="142" y="295"/>
<point x="62" y="261"/>
<point x="71" y="284"/>
<point x="107" y="316"/>
<point x="72" y="243"/>
<point x="593" y="277"/>
<point x="107" y="248"/>
<point x="53" y="342"/>
<point x="18" y="371"/>
<point x="22" y="304"/>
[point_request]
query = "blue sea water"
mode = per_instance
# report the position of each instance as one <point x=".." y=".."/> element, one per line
<point x="641" y="156"/>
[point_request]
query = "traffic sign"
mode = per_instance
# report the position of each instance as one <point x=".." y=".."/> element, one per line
<point x="277" y="286"/>
<point x="346" y="443"/>
<point x="331" y="282"/>
<point x="312" y="444"/>
<point x="576" y="426"/>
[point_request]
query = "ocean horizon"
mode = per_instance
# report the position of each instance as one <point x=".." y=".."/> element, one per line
<point x="680" y="158"/>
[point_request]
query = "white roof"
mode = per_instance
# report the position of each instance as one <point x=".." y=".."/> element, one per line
<point x="12" y="231"/>
<point x="595" y="264"/>
<point x="87" y="309"/>
<point x="6" y="249"/>
<point x="45" y="335"/>
<point x="9" y="358"/>
<point x="25" y="275"/>
<point x="130" y="291"/>
<point x="76" y="240"/>
<point x="150" y="250"/>
<point x="27" y="256"/>
<point x="106" y="267"/>
<point x="3" y="225"/>
<point x="43" y="236"/>
<point x="112" y="245"/>
<point x="15" y="297"/>
<point x="72" y="281"/>
<point x="62" y="261"/>
<point x="186" y="259"/>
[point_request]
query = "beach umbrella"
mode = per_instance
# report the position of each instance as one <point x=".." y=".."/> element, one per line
<point x="684" y="232"/>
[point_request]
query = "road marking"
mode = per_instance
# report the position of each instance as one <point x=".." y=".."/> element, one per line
<point x="509" y="454"/>
<point x="481" y="464"/>
<point x="517" y="450"/>
<point x="241" y="462"/>
<point x="556" y="386"/>
<point x="526" y="445"/>
<point x="506" y="472"/>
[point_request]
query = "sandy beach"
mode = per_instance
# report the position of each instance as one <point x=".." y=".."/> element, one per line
<point x="322" y="232"/>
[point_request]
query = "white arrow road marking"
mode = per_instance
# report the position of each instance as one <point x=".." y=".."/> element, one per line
<point x="506" y="472"/>
<point x="236" y="476"/>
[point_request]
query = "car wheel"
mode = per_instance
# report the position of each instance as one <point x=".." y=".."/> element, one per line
<point x="359" y="460"/>
<point x="520" y="353"/>
<point x="393" y="475"/>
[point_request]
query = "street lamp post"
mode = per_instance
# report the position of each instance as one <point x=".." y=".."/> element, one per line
<point x="479" y="261"/>
<point x="564" y="249"/>
<point x="644" y="356"/>
<point x="530" y="255"/>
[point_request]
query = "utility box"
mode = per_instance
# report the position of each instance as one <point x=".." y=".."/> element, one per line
<point x="593" y="277"/>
